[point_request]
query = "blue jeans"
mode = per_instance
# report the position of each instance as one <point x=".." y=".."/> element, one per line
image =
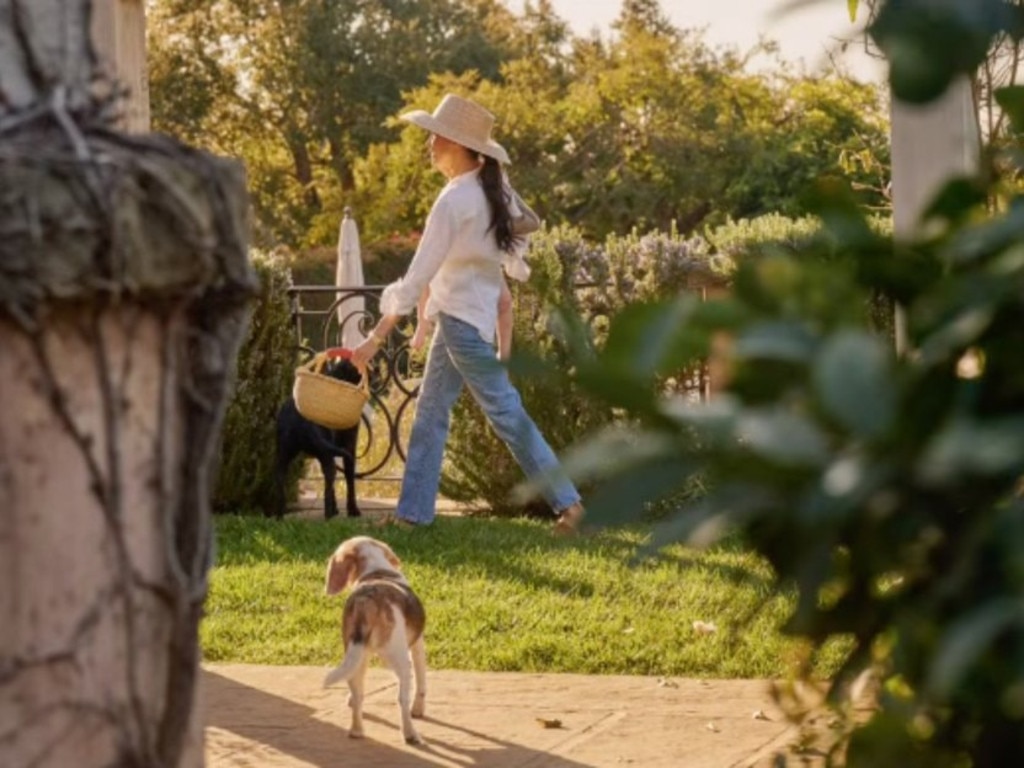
<point x="459" y="355"/>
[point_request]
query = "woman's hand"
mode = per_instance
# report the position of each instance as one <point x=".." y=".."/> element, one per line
<point x="363" y="354"/>
<point x="422" y="333"/>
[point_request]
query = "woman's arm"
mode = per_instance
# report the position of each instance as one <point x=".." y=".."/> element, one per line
<point x="364" y="353"/>
<point x="403" y="295"/>
<point x="504" y="322"/>
<point x="424" y="325"/>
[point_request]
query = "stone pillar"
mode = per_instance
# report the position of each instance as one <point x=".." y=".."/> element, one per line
<point x="931" y="144"/>
<point x="125" y="292"/>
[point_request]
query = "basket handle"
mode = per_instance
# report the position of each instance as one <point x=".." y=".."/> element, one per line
<point x="316" y="365"/>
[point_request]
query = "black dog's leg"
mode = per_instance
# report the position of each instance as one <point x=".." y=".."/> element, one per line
<point x="287" y="450"/>
<point x="348" y="460"/>
<point x="277" y="504"/>
<point x="330" y="473"/>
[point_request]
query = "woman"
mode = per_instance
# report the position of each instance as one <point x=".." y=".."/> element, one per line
<point x="469" y="235"/>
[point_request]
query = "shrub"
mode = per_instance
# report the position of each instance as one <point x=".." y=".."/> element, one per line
<point x="386" y="260"/>
<point x="738" y="242"/>
<point x="750" y="238"/>
<point x="265" y="368"/>
<point x="580" y="279"/>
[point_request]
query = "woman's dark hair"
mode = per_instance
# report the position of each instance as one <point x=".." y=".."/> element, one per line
<point x="498" y="201"/>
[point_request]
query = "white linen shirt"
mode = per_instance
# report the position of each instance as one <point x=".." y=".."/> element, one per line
<point x="458" y="258"/>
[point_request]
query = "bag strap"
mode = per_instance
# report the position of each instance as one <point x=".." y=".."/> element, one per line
<point x="527" y="221"/>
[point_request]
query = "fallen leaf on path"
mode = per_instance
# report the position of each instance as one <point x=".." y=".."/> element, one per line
<point x="760" y="715"/>
<point x="549" y="723"/>
<point x="664" y="682"/>
<point x="712" y="727"/>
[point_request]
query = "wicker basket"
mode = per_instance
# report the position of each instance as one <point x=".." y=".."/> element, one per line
<point x="327" y="401"/>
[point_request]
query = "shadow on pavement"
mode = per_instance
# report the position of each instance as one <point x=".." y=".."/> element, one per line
<point x="247" y="726"/>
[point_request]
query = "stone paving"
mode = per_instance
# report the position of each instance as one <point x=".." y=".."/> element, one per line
<point x="281" y="717"/>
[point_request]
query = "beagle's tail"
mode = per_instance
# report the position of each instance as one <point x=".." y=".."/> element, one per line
<point x="353" y="659"/>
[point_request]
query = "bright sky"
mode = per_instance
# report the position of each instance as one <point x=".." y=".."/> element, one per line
<point x="803" y="34"/>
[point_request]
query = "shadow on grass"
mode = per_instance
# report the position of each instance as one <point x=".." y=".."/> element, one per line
<point x="279" y="731"/>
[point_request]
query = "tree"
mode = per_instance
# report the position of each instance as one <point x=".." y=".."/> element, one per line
<point x="301" y="90"/>
<point x="647" y="130"/>
<point x="124" y="291"/>
<point x="799" y="129"/>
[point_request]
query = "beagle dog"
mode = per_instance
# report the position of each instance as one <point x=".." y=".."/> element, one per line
<point x="382" y="615"/>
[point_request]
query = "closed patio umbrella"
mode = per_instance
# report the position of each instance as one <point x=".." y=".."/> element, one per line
<point x="349" y="274"/>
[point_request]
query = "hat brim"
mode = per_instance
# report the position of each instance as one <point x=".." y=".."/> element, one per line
<point x="430" y="123"/>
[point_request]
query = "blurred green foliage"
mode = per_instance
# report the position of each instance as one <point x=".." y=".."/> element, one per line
<point x="263" y="380"/>
<point x="886" y="489"/>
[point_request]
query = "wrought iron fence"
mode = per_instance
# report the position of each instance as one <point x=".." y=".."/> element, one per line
<point x="321" y="314"/>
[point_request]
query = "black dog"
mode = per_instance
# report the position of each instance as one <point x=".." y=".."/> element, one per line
<point x="297" y="434"/>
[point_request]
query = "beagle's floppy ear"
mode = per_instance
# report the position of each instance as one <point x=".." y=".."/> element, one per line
<point x="341" y="571"/>
<point x="389" y="554"/>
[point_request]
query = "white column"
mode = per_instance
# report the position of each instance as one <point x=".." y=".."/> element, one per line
<point x="931" y="143"/>
<point x="119" y="34"/>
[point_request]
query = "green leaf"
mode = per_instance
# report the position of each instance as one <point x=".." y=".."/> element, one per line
<point x="783" y="437"/>
<point x="1011" y="101"/>
<point x="851" y="378"/>
<point x="642" y="335"/>
<point x="615" y="449"/>
<point x="573" y="331"/>
<point x="851" y="6"/>
<point x="957" y="199"/>
<point x="787" y="341"/>
<point x="929" y="44"/>
<point x="955" y="334"/>
<point x="621" y="498"/>
<point x="988" y="237"/>
<point x="705" y="521"/>
<point x="967" y="447"/>
<point x="628" y="470"/>
<point x="969" y="639"/>
<point x="714" y="421"/>
<point x="618" y="386"/>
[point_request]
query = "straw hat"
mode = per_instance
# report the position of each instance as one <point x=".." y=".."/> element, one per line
<point x="463" y="122"/>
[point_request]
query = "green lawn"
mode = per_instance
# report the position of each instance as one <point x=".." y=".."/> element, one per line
<point x="506" y="595"/>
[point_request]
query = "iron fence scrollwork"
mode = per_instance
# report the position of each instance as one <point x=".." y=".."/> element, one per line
<point x="321" y="315"/>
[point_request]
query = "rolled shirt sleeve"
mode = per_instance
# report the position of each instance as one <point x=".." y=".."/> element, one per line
<point x="401" y="296"/>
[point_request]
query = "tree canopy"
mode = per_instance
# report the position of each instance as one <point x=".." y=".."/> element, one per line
<point x="645" y="127"/>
